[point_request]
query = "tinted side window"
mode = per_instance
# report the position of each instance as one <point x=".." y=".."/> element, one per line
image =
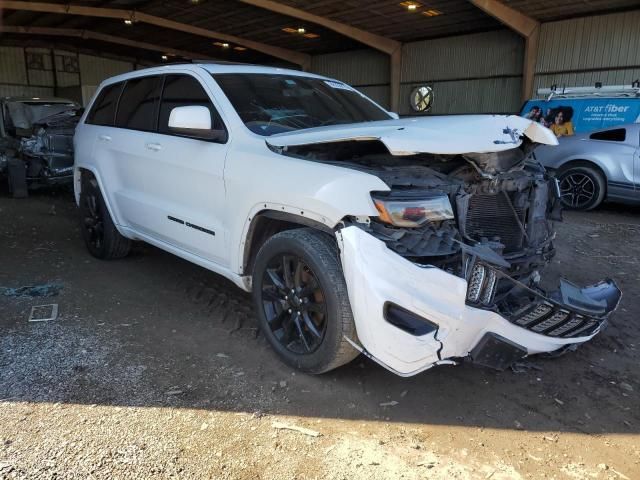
<point x="104" y="108"/>
<point x="616" y="135"/>
<point x="182" y="91"/>
<point x="138" y="104"/>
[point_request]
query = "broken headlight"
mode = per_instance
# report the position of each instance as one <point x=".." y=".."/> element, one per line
<point x="413" y="211"/>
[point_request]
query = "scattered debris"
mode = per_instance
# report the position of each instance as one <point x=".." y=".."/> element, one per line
<point x="295" y="428"/>
<point x="283" y="384"/>
<point x="404" y="393"/>
<point x="524" y="367"/>
<point x="558" y="401"/>
<point x="44" y="313"/>
<point x="173" y="391"/>
<point x="222" y="355"/>
<point x="518" y="425"/>
<point x="392" y="403"/>
<point x="30" y="291"/>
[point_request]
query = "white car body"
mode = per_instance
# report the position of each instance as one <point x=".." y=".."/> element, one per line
<point x="220" y="188"/>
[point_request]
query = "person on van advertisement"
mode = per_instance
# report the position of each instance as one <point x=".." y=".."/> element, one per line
<point x="561" y="121"/>
<point x="566" y="116"/>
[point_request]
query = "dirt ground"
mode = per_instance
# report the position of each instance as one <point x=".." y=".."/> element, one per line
<point x="154" y="369"/>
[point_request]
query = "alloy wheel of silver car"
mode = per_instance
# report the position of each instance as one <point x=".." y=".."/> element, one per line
<point x="577" y="190"/>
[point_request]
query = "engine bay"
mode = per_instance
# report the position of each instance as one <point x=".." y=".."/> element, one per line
<point x="490" y="222"/>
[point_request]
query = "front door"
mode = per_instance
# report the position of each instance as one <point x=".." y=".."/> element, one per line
<point x="184" y="184"/>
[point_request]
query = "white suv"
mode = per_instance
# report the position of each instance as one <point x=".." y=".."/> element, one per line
<point x="416" y="242"/>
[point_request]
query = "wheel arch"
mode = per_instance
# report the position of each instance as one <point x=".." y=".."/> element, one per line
<point x="583" y="162"/>
<point x="267" y="223"/>
<point x="84" y="173"/>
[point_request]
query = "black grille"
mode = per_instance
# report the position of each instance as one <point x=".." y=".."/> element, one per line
<point x="491" y="216"/>
<point x="541" y="315"/>
<point x="546" y="318"/>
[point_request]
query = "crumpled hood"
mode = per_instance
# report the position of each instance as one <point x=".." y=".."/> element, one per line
<point x="447" y="135"/>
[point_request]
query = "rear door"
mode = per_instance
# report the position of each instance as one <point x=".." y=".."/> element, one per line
<point x="183" y="176"/>
<point x="127" y="147"/>
<point x="93" y="142"/>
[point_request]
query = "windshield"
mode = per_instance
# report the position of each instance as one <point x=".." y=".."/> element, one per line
<point x="274" y="103"/>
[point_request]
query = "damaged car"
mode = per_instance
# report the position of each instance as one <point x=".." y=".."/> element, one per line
<point x="416" y="242"/>
<point x="36" y="142"/>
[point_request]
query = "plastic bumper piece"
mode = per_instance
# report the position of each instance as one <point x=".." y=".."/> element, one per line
<point x="377" y="277"/>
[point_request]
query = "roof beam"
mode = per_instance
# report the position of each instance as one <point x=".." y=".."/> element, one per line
<point x="527" y="27"/>
<point x="391" y="47"/>
<point x="384" y="44"/>
<point x="512" y="18"/>
<point x="89" y="35"/>
<point x="292" y="56"/>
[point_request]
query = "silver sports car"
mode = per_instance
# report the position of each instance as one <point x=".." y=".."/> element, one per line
<point x="594" y="166"/>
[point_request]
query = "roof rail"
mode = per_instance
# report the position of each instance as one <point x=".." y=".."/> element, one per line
<point x="598" y="90"/>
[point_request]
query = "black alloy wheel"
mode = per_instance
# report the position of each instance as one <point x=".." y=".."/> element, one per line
<point x="98" y="230"/>
<point x="294" y="304"/>
<point x="93" y="221"/>
<point x="300" y="297"/>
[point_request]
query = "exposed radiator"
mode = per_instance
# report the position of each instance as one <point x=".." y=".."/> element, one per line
<point x="491" y="216"/>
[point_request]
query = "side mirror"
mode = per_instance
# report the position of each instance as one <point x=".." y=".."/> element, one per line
<point x="195" y="121"/>
<point x="394" y="115"/>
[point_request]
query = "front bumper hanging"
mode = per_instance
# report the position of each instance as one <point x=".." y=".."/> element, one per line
<point x="468" y="318"/>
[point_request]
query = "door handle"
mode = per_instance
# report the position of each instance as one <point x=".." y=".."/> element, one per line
<point x="154" y="146"/>
<point x="105" y="138"/>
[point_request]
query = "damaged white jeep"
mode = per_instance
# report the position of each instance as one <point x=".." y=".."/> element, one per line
<point x="416" y="242"/>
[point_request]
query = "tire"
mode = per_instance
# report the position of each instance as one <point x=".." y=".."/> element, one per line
<point x="17" y="178"/>
<point x="319" y="296"/>
<point x="582" y="187"/>
<point x="98" y="231"/>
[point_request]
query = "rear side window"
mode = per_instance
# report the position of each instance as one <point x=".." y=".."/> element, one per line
<point x="182" y="91"/>
<point x="103" y="111"/>
<point x="616" y="135"/>
<point x="139" y="103"/>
